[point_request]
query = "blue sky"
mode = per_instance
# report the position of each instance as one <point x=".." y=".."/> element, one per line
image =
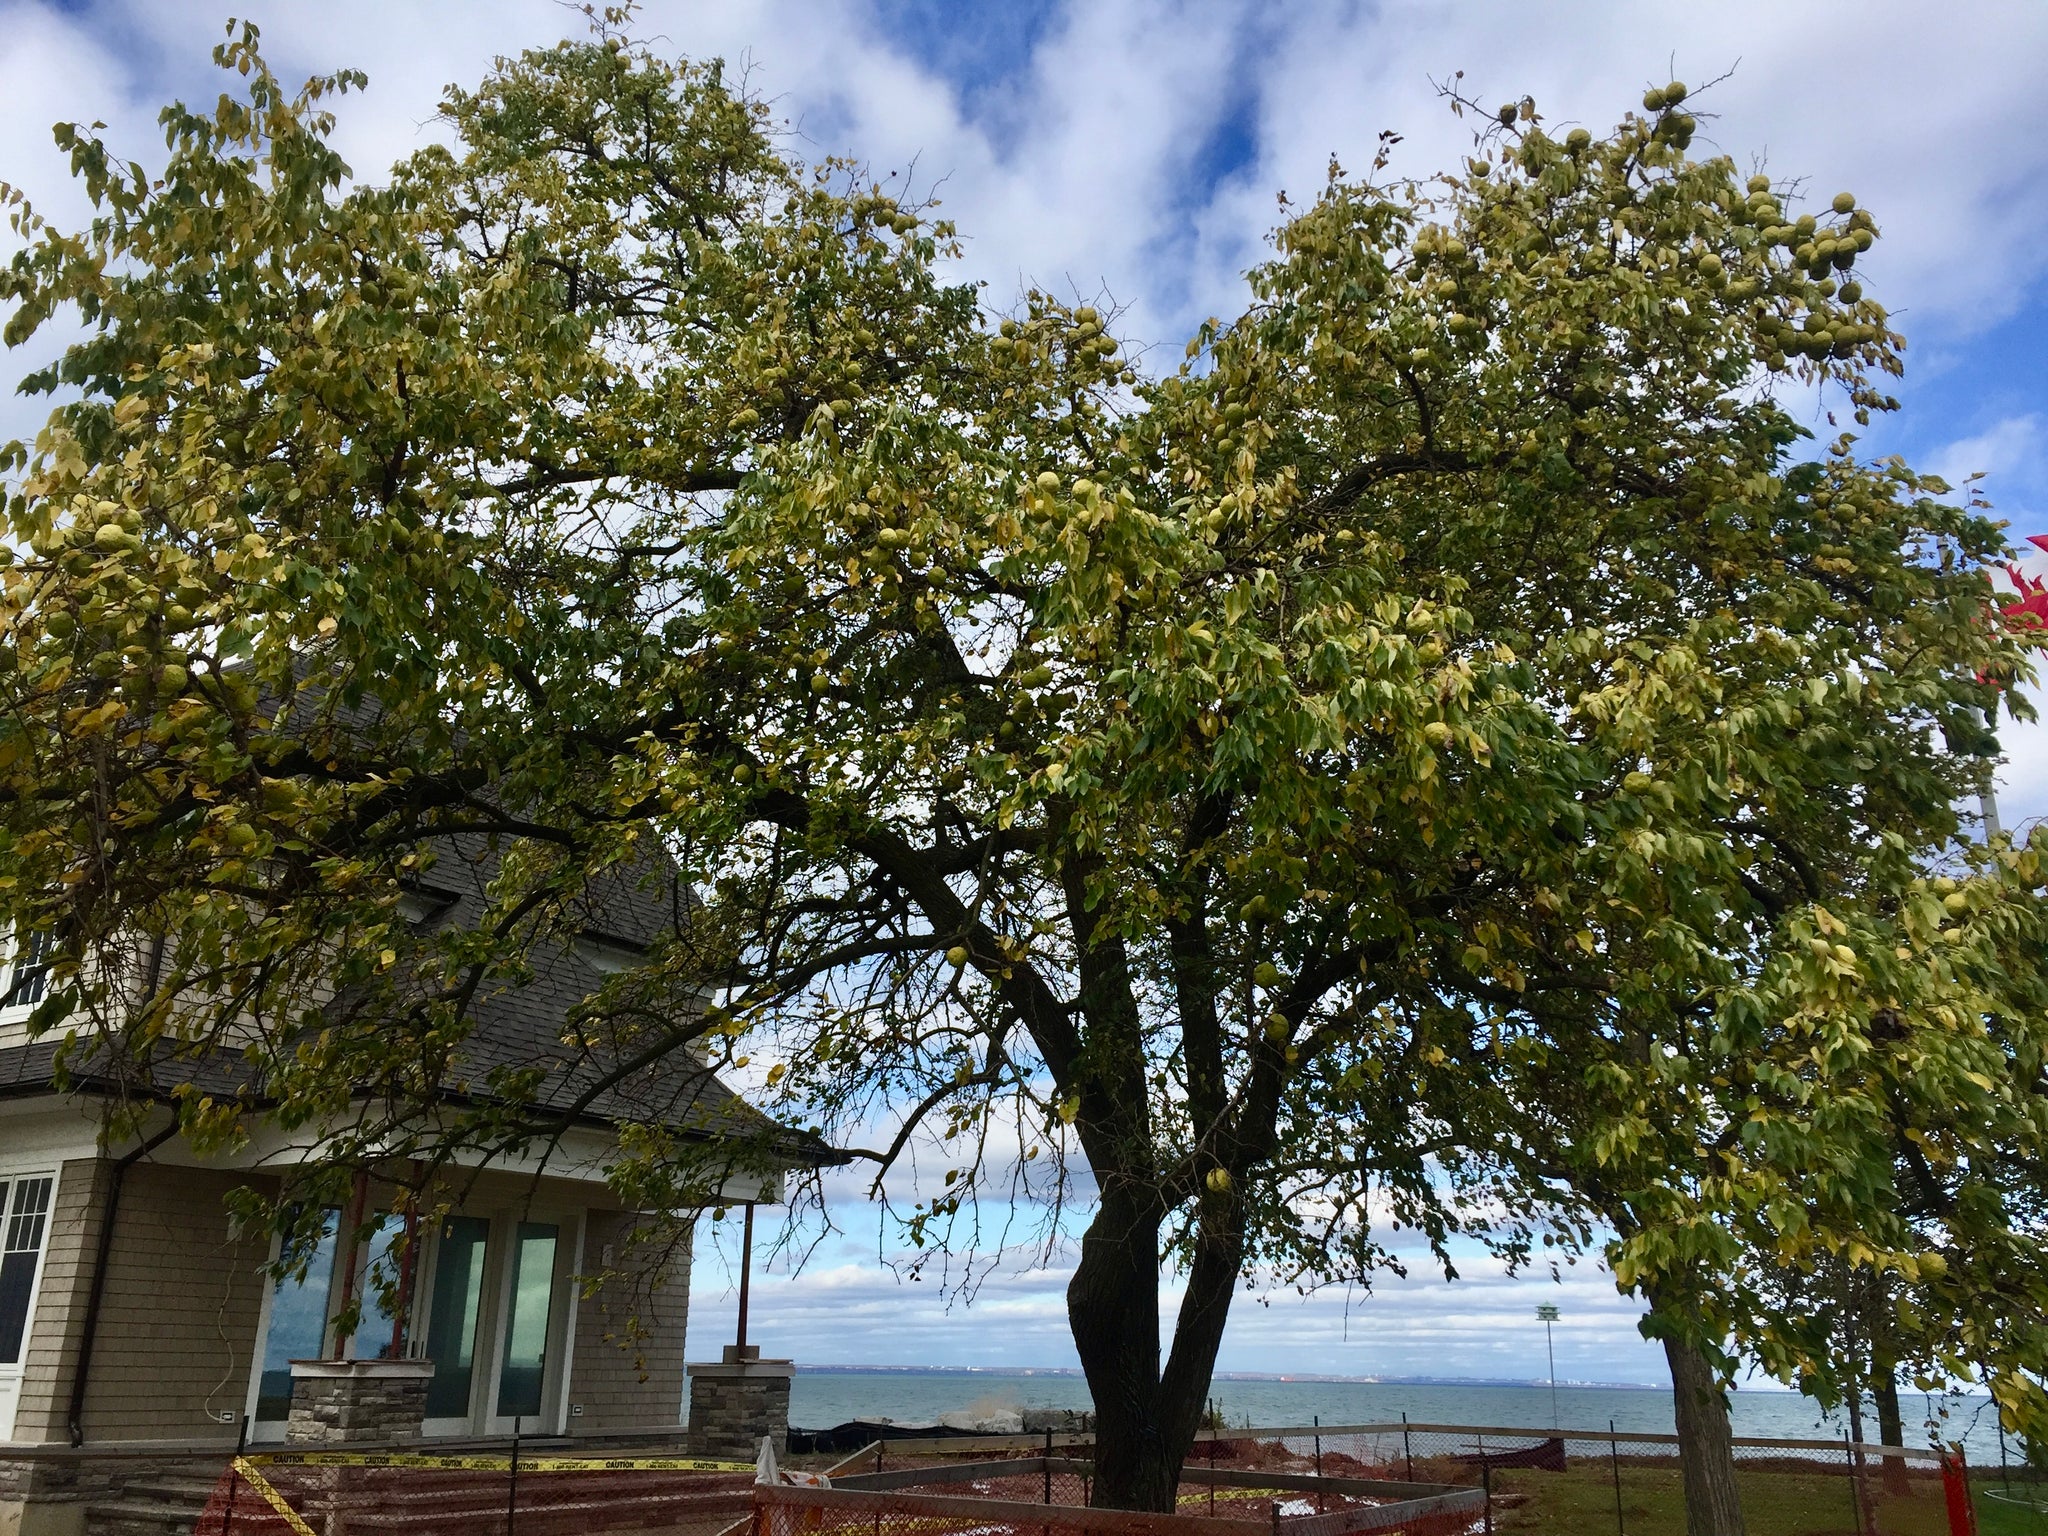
<point x="1133" y="149"/>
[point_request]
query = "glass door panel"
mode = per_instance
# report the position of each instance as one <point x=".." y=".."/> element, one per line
<point x="376" y="1336"/>
<point x="454" y="1313"/>
<point x="524" y="1367"/>
<point x="298" y="1326"/>
<point x="21" y="1249"/>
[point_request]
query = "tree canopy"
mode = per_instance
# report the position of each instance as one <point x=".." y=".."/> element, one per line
<point x="1451" y="753"/>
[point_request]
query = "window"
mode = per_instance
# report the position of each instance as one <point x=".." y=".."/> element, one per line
<point x="454" y="1313"/>
<point x="298" y="1325"/>
<point x="30" y="977"/>
<point x="526" y="1332"/>
<point x="26" y="1205"/>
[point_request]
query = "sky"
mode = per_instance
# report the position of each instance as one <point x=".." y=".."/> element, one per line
<point x="1133" y="150"/>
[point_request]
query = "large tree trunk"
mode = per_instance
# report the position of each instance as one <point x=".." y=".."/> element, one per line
<point x="1146" y="1417"/>
<point x="1706" y="1450"/>
<point x="1891" y="1427"/>
<point x="1113" y="1307"/>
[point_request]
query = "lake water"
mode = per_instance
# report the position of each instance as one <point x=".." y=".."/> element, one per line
<point x="821" y="1398"/>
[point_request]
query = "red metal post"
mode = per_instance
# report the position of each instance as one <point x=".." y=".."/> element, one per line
<point x="1955" y="1489"/>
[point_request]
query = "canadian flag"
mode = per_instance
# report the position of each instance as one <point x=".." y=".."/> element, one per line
<point x="2031" y="608"/>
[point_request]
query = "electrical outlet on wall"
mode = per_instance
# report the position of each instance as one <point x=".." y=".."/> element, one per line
<point x="575" y="1410"/>
<point x="225" y="1416"/>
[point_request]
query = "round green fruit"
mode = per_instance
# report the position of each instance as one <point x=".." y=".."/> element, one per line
<point x="956" y="957"/>
<point x="1674" y="93"/>
<point x="1653" y="100"/>
<point x="1845" y="202"/>
<point x="1267" y="974"/>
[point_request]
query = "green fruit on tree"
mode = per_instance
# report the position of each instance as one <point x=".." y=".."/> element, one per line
<point x="1218" y="1180"/>
<point x="1844" y="202"/>
<point x="957" y="956"/>
<point x="1653" y="100"/>
<point x="1674" y="93"/>
<point x="1266" y="974"/>
<point x="820" y="683"/>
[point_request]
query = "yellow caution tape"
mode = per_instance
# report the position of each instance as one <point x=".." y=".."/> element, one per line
<point x="495" y="1463"/>
<point x="272" y="1497"/>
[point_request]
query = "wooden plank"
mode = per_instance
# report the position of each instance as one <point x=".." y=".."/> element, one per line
<point x="973" y="1445"/>
<point x="1308" y="1482"/>
<point x="1006" y="1512"/>
<point x="960" y="1472"/>
<point x="1380" y="1517"/>
<point x="1308" y="1431"/>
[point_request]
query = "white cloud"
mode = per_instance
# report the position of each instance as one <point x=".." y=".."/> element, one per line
<point x="2007" y="453"/>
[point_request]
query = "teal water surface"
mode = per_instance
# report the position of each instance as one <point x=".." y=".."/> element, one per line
<point x="823" y="1397"/>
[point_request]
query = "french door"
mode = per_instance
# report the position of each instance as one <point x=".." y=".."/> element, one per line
<point x="492" y="1310"/>
<point x="24" y="1227"/>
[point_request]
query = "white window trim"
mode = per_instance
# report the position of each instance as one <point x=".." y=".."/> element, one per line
<point x="17" y="1372"/>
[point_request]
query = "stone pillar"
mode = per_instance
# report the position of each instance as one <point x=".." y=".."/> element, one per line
<point x="738" y="1400"/>
<point x="335" y="1402"/>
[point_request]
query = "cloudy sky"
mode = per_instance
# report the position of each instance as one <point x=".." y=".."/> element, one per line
<point x="1134" y="149"/>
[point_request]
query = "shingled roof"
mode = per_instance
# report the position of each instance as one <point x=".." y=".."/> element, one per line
<point x="524" y="1025"/>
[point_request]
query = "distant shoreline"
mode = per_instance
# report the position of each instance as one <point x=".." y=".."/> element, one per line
<point x="1382" y="1381"/>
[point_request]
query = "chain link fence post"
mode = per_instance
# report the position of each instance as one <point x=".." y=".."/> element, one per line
<point x="512" y="1483"/>
<point x="1614" y="1455"/>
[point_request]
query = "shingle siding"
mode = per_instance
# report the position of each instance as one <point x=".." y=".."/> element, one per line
<point x="627" y="1370"/>
<point x="178" y="1316"/>
<point x="60" y="1301"/>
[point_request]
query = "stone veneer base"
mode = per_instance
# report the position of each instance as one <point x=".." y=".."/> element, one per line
<point x="737" y="1400"/>
<point x="339" y="1402"/>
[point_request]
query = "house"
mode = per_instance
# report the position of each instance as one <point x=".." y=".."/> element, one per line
<point x="135" y="1315"/>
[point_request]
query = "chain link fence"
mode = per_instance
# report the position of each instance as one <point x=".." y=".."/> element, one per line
<point x="285" y="1496"/>
<point x="1569" y="1481"/>
<point x="1422" y="1479"/>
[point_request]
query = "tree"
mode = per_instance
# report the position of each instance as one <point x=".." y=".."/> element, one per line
<point x="1199" y="773"/>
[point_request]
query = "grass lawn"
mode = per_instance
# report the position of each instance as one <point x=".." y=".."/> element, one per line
<point x="1580" y="1501"/>
<point x="1995" y="1517"/>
